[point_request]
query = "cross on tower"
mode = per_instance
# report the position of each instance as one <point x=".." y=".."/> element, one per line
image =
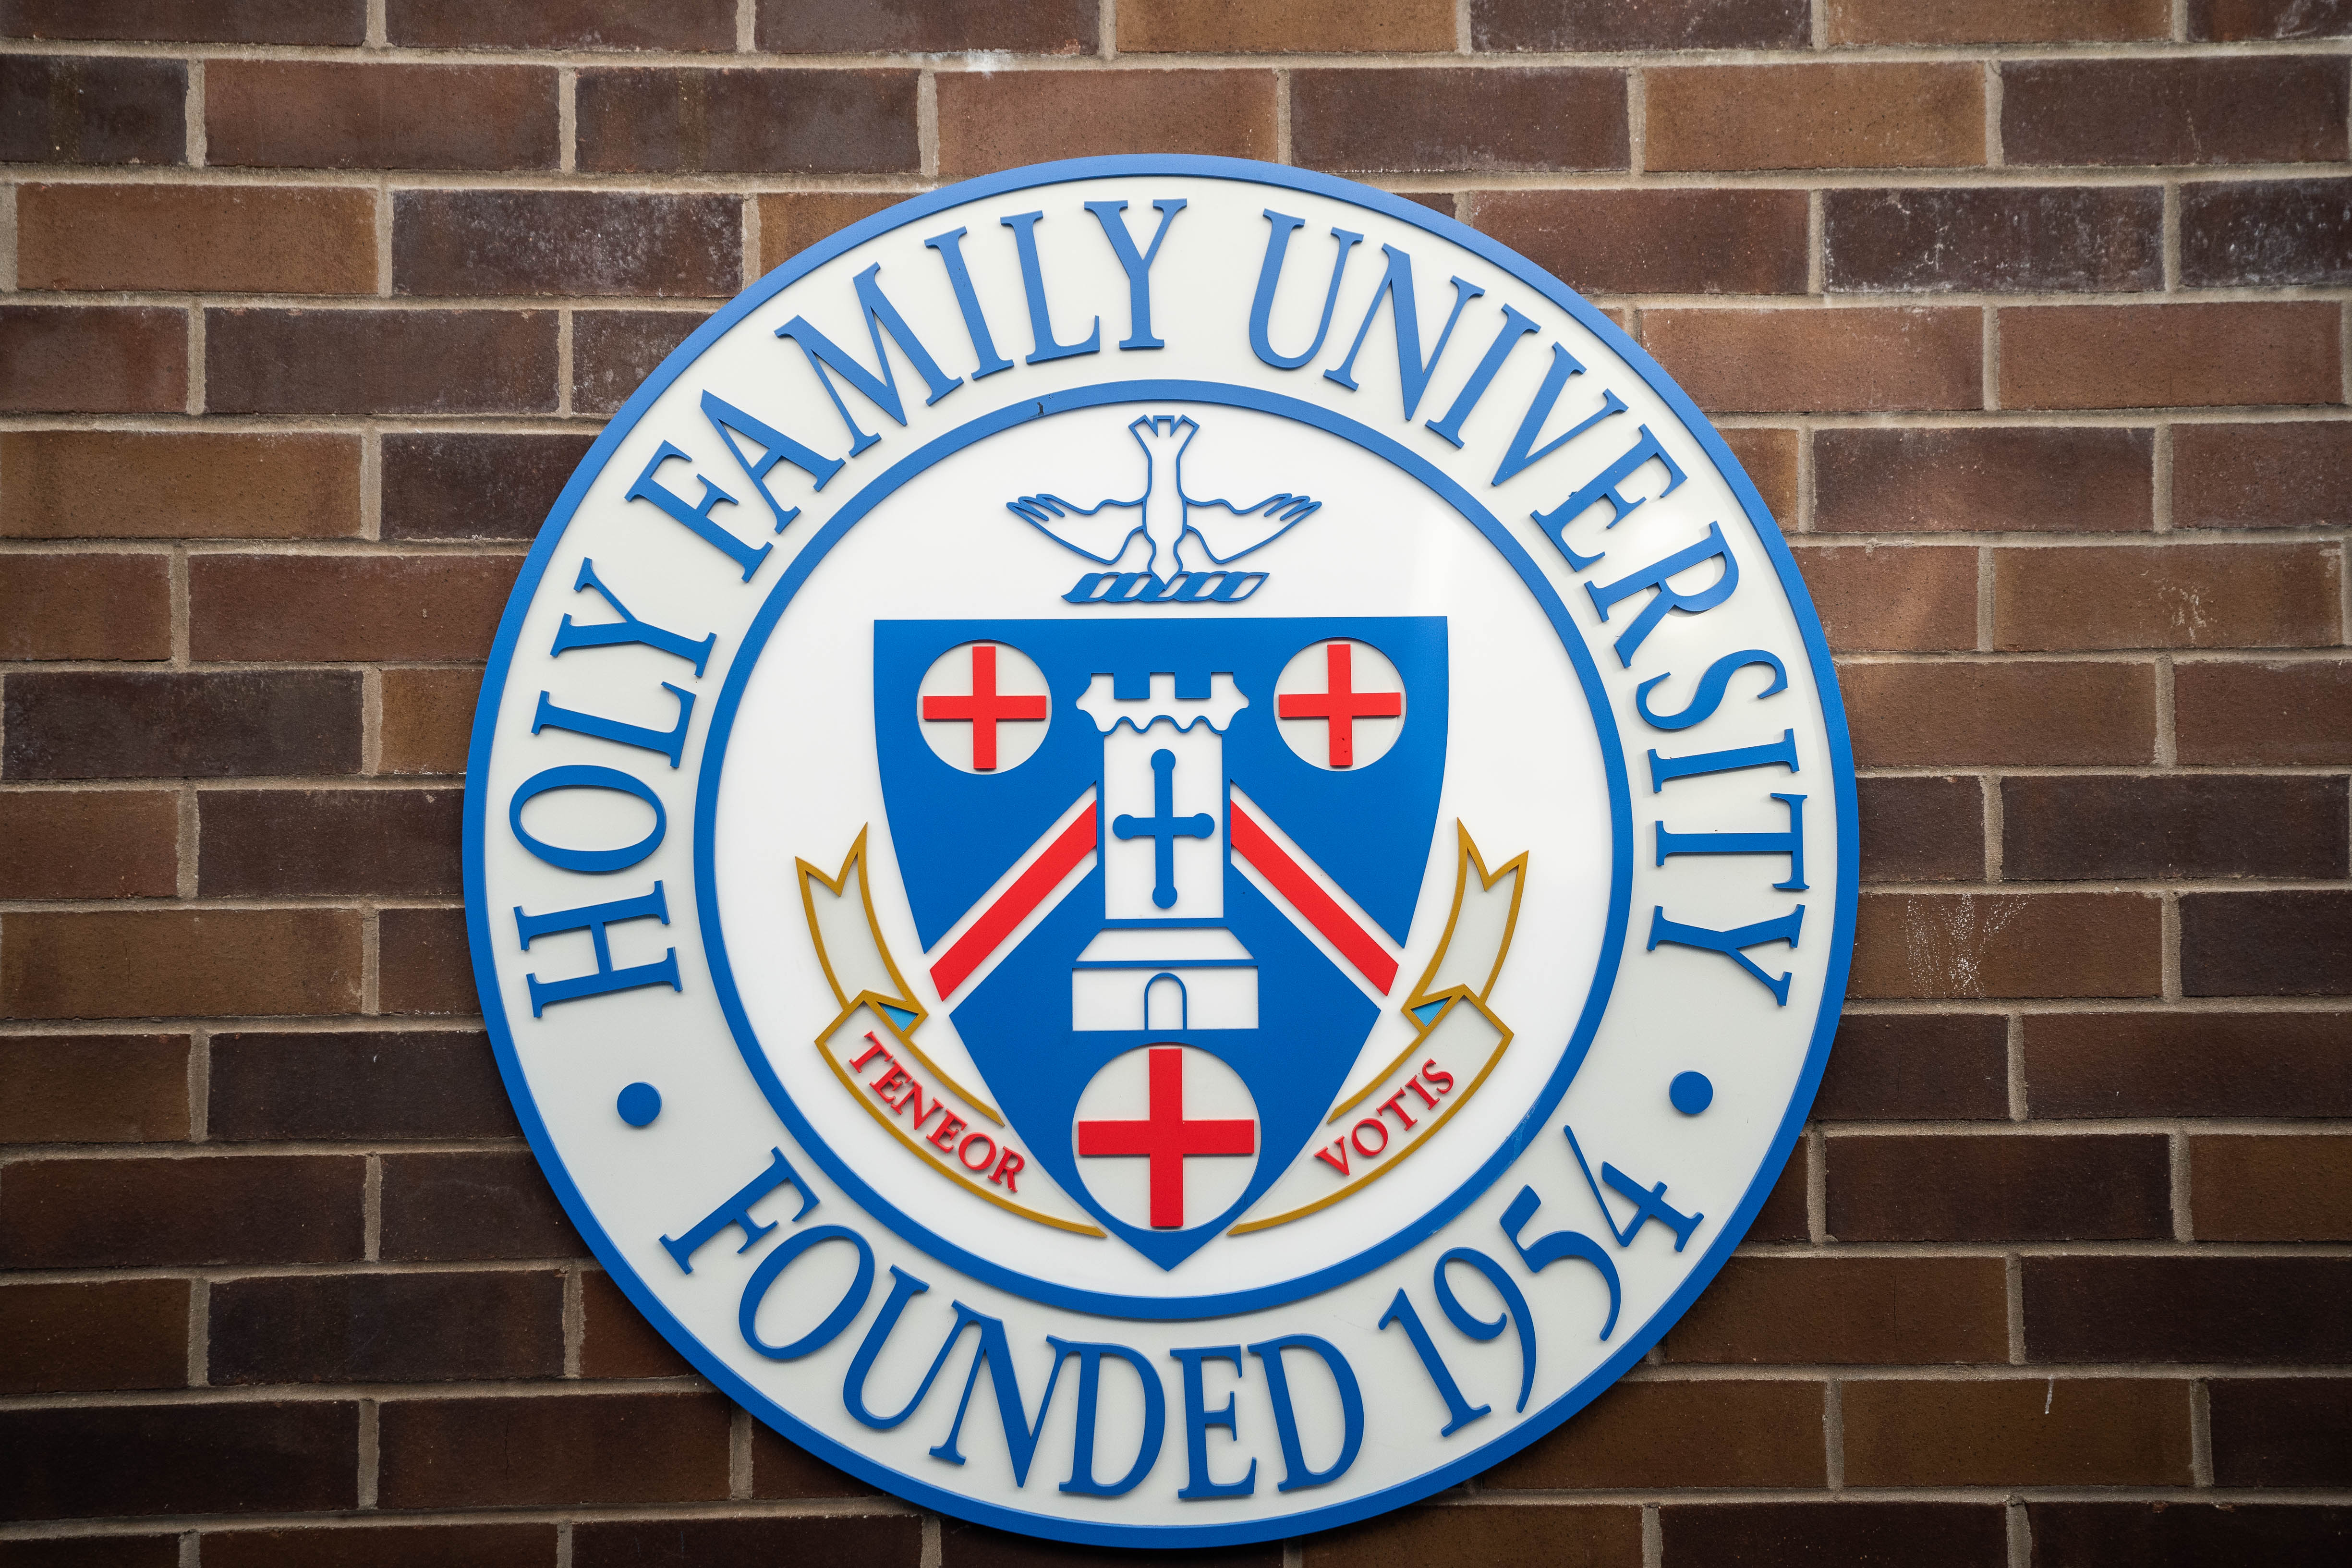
<point x="1164" y="827"/>
<point x="1166" y="1137"/>
<point x="1339" y="704"/>
<point x="984" y="709"/>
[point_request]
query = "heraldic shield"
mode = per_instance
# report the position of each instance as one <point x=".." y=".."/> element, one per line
<point x="1151" y="753"/>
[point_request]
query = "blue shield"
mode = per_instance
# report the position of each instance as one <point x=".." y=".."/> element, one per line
<point x="1367" y="827"/>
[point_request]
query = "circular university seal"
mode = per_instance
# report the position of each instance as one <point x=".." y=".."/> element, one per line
<point x="1161" y="850"/>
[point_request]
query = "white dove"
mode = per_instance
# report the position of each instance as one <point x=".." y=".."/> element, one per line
<point x="1174" y="533"/>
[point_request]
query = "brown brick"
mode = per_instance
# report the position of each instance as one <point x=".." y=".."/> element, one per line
<point x="1666" y="25"/>
<point x="1770" y="456"/>
<point x="142" y="1460"/>
<point x="1555" y="1536"/>
<point x="2093" y="1431"/>
<point x="2168" y="356"/>
<point x="2185" y="1535"/>
<point x="782" y="1470"/>
<point x="2013" y="710"/>
<point x="2271" y="1189"/>
<point x="1001" y="120"/>
<point x="1835" y="1535"/>
<point x="290" y="843"/>
<point x="2006" y="944"/>
<point x="1847" y="1311"/>
<point x="238" y="22"/>
<point x="2000" y="1187"/>
<point x="58" y="108"/>
<point x="938" y="27"/>
<point x="370" y="1087"/>
<point x="792" y="221"/>
<point x="1797" y="361"/>
<point x="317" y="114"/>
<point x="1654" y="241"/>
<point x="379" y="362"/>
<point x="94" y="1088"/>
<point x="2073" y="479"/>
<point x="2229" y="20"/>
<point x="2294" y="474"/>
<point x="616" y="1340"/>
<point x="612" y="351"/>
<point x="152" y="964"/>
<point x="2246" y="1309"/>
<point x="91" y="1552"/>
<point x="2281" y="1431"/>
<point x="2188" y="1063"/>
<point x="749" y="122"/>
<point x="2108" y="827"/>
<point x="1782" y="1215"/>
<point x="566" y="242"/>
<point x="599" y="1448"/>
<point x="85" y="607"/>
<point x="706" y="24"/>
<point x="2266" y="944"/>
<point x="422" y="963"/>
<point x="2014" y="240"/>
<point x="211" y="1208"/>
<point x="2270" y="232"/>
<point x="1308" y="26"/>
<point x="89" y="844"/>
<point x="89" y="359"/>
<point x="2259" y="713"/>
<point x="1912" y="597"/>
<point x="834" y="1540"/>
<point x="447" y="485"/>
<point x="1480" y="121"/>
<point x="1645" y="1435"/>
<point x="108" y="484"/>
<point x="387" y="1328"/>
<point x="386" y="1546"/>
<point x="448" y="1207"/>
<point x="1995" y="21"/>
<point x="428" y="719"/>
<point x="2279" y="109"/>
<point x="70" y="724"/>
<point x="1911" y="1066"/>
<point x="319" y="607"/>
<point x="1922" y="829"/>
<point x="129" y="1334"/>
<point x="1880" y="116"/>
<point x="197" y="238"/>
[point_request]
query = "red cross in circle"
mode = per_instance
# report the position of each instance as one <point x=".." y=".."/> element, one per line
<point x="1167" y="1138"/>
<point x="1339" y="704"/>
<point x="985" y="708"/>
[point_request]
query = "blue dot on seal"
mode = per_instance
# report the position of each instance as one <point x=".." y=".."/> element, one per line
<point x="641" y="1103"/>
<point x="1691" y="1093"/>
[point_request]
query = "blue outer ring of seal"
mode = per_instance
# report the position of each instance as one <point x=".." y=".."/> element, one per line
<point x="1640" y="1338"/>
<point x="706" y="863"/>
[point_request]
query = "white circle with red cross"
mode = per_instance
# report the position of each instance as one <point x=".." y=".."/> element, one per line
<point x="984" y="707"/>
<point x="1339" y="704"/>
<point x="1166" y="1136"/>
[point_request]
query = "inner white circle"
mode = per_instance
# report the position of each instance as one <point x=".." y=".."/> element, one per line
<point x="802" y="782"/>
<point x="1124" y="1092"/>
<point x="984" y="707"/>
<point x="1341" y="704"/>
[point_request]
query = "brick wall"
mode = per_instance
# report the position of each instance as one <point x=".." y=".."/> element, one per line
<point x="2027" y="316"/>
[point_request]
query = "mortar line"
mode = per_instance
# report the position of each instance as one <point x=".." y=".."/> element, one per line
<point x="8" y="237"/>
<point x="184" y="884"/>
<point x="195" y="351"/>
<point x="369" y="1457"/>
<point x="567" y="118"/>
<point x="1817" y="257"/>
<point x="1817" y="24"/>
<point x="371" y="1211"/>
<point x="1464" y="38"/>
<point x="372" y="483"/>
<point x="1805" y="480"/>
<point x="191" y="1549"/>
<point x="1985" y="591"/>
<point x="1833" y="1434"/>
<point x="199" y="142"/>
<point x="1107" y="29"/>
<point x="2019" y="1529"/>
<point x="2160" y="481"/>
<point x="1654" y="1537"/>
<point x="2177" y="1162"/>
<point x="200" y="1318"/>
<point x="2170" y="237"/>
<point x="2200" y="1433"/>
<point x="1282" y="117"/>
<point x="2169" y="934"/>
<point x="1996" y="149"/>
<point x="378" y="35"/>
<point x="747" y="15"/>
<point x="739" y="1454"/>
<point x="200" y="1084"/>
<point x="1992" y="367"/>
<point x="1637" y="116"/>
<point x="564" y="345"/>
<point x="2167" y="741"/>
<point x="563" y="1542"/>
<point x="927" y="126"/>
<point x="371" y="961"/>
<point x="2013" y="1049"/>
<point x="1996" y="825"/>
<point x="1817" y="1181"/>
<point x="384" y="220"/>
<point x="2012" y="1274"/>
<point x="2179" y="31"/>
<point x="574" y="1320"/>
<point x="751" y="239"/>
<point x="932" y="1547"/>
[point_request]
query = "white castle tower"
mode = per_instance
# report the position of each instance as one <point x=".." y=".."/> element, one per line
<point x="1163" y="959"/>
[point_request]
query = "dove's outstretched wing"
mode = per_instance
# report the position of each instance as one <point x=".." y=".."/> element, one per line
<point x="1098" y="532"/>
<point x="1228" y="531"/>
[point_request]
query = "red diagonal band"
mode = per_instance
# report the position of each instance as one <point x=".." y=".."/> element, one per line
<point x="1256" y="845"/>
<point x="1028" y="890"/>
